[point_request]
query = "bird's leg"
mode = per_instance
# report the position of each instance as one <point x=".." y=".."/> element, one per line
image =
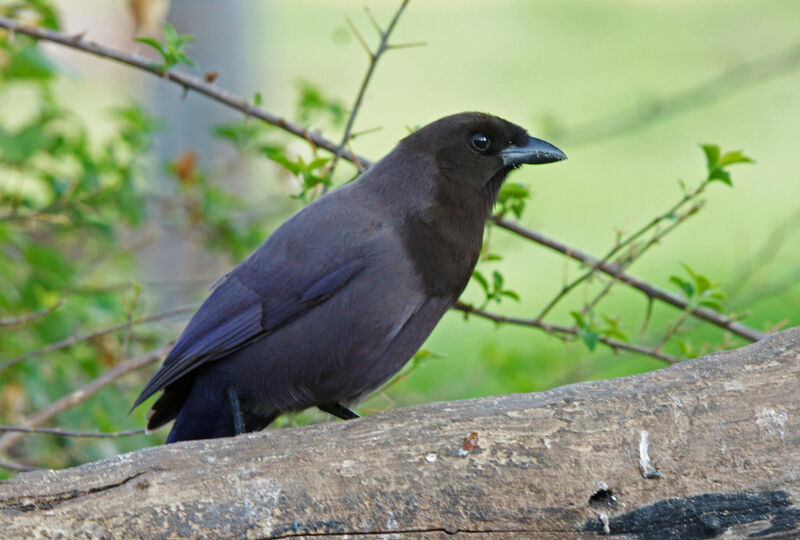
<point x="238" y="420"/>
<point x="338" y="410"/>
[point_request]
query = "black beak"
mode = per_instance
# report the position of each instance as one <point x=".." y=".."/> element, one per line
<point x="536" y="151"/>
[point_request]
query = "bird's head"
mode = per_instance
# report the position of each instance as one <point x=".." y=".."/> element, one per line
<point x="480" y="149"/>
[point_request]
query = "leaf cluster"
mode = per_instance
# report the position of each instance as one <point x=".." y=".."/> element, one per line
<point x="173" y="49"/>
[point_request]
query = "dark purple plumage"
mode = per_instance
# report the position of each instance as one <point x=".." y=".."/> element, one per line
<point x="342" y="294"/>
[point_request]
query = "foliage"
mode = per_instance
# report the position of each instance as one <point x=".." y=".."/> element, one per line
<point x="493" y="290"/>
<point x="314" y="104"/>
<point x="66" y="199"/>
<point x="74" y="207"/>
<point x="172" y="49"/>
<point x="512" y="198"/>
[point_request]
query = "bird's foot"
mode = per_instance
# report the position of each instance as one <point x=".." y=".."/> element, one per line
<point x="236" y="410"/>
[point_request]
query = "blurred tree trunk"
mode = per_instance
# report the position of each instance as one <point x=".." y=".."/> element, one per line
<point x="220" y="46"/>
<point x="700" y="449"/>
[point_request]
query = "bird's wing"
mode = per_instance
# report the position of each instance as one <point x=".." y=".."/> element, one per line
<point x="243" y="308"/>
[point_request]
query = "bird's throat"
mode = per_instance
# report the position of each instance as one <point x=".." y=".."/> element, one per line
<point x="444" y="240"/>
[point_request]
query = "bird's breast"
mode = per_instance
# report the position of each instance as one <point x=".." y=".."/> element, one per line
<point x="443" y="247"/>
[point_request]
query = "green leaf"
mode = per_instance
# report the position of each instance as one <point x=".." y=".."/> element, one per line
<point x="47" y="12"/>
<point x="512" y="198"/>
<point x="720" y="175"/>
<point x="477" y="276"/>
<point x="687" y="287"/>
<point x="30" y="64"/>
<point x="613" y="329"/>
<point x="579" y="320"/>
<point x="702" y="284"/>
<point x="172" y="50"/>
<point x="590" y="339"/>
<point x="289" y="165"/>
<point x="317" y="163"/>
<point x="510" y="294"/>
<point x="18" y="148"/>
<point x="497" y="279"/>
<point x="732" y="158"/>
<point x="614" y="333"/>
<point x="713" y="305"/>
<point x="311" y="180"/>
<point x="425" y="354"/>
<point x="313" y="102"/>
<point x="154" y="43"/>
<point x="712" y="155"/>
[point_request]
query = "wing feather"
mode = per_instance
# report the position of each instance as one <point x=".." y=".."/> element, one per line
<point x="235" y="315"/>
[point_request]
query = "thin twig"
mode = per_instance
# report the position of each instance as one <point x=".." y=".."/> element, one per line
<point x="29" y="317"/>
<point x="374" y="57"/>
<point x="767" y="251"/>
<point x="188" y="82"/>
<point x="18" y="467"/>
<point x="126" y="340"/>
<point x="84" y="392"/>
<point x="629" y="260"/>
<point x="672" y="329"/>
<point x="359" y="37"/>
<point x="733" y="80"/>
<point x="565" y="330"/>
<point x="409" y="45"/>
<point x="651" y="291"/>
<point x="69" y="342"/>
<point x="65" y="433"/>
<point x="621" y="245"/>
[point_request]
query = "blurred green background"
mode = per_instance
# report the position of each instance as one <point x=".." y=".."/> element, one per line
<point x="683" y="72"/>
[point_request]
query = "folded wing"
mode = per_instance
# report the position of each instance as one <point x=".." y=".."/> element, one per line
<point x="241" y="310"/>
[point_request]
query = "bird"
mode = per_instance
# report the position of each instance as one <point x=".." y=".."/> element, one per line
<point x="341" y="295"/>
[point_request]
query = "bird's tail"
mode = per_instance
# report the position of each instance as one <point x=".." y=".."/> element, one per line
<point x="212" y="420"/>
<point x="208" y="417"/>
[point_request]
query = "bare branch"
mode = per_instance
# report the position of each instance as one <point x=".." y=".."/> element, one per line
<point x="28" y="317"/>
<point x="620" y="245"/>
<point x="358" y="35"/>
<point x="85" y="392"/>
<point x="69" y="342"/>
<point x="65" y="433"/>
<point x="374" y="57"/>
<point x="672" y="329"/>
<point x="651" y="291"/>
<point x="374" y="21"/>
<point x="189" y="82"/>
<point x="733" y="80"/>
<point x="557" y="330"/>
<point x="409" y="45"/>
<point x="629" y="260"/>
<point x="14" y="466"/>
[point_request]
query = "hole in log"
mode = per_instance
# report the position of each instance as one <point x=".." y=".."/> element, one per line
<point x="603" y="499"/>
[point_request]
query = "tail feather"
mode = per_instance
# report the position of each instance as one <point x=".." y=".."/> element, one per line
<point x="191" y="424"/>
<point x="203" y="417"/>
<point x="169" y="404"/>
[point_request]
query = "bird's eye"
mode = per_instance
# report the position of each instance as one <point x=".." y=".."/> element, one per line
<point x="480" y="142"/>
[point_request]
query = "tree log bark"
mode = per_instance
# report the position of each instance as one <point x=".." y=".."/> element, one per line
<point x="706" y="448"/>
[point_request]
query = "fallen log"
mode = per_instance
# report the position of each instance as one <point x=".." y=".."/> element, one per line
<point x="705" y="448"/>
